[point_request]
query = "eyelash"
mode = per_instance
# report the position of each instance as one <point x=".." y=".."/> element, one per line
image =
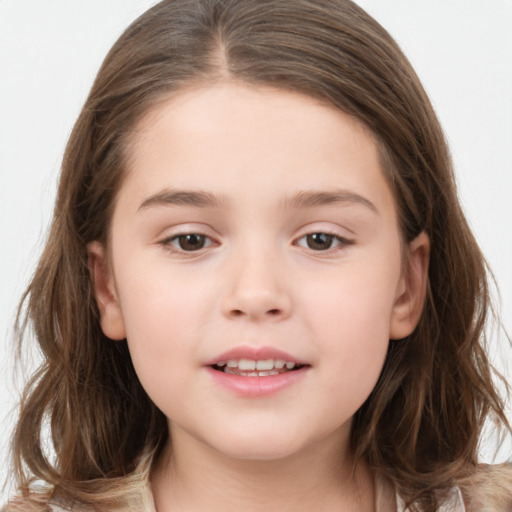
<point x="168" y="242"/>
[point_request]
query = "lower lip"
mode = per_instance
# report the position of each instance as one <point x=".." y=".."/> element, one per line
<point x="257" y="386"/>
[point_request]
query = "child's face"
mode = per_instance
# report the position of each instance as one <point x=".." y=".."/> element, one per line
<point x="256" y="222"/>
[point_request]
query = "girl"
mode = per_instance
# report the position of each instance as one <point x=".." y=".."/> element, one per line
<point x="259" y="290"/>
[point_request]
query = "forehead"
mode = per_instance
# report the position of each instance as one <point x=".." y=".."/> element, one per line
<point x="229" y="137"/>
<point x="229" y="106"/>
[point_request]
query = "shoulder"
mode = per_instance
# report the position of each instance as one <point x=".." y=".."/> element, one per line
<point x="489" y="490"/>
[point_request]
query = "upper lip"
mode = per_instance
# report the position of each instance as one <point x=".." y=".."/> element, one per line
<point x="255" y="354"/>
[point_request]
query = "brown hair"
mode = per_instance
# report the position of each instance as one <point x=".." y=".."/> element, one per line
<point x="420" y="427"/>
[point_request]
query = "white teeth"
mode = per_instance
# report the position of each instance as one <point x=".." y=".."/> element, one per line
<point x="263" y="365"/>
<point x="246" y="364"/>
<point x="251" y="374"/>
<point x="268" y="364"/>
<point x="270" y="372"/>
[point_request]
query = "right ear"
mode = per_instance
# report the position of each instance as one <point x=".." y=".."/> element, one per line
<point x="111" y="316"/>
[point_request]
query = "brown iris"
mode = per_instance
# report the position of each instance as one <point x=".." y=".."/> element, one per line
<point x="191" y="242"/>
<point x="319" y="241"/>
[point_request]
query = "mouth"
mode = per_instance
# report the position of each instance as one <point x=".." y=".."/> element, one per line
<point x="256" y="367"/>
<point x="256" y="372"/>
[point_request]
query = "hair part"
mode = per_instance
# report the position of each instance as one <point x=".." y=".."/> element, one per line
<point x="420" y="427"/>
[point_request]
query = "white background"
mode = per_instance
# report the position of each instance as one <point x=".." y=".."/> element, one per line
<point x="51" y="50"/>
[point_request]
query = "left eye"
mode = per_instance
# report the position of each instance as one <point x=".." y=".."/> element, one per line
<point x="321" y="241"/>
<point x="189" y="242"/>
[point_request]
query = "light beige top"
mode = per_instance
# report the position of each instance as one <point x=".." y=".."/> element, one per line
<point x="386" y="500"/>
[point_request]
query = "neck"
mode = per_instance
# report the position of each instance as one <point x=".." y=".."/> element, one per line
<point x="195" y="477"/>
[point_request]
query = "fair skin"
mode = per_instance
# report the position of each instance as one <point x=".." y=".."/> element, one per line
<point x="294" y="247"/>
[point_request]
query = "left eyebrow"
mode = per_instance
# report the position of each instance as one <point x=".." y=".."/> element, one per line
<point x="309" y="199"/>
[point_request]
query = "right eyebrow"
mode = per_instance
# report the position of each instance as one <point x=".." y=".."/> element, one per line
<point x="169" y="197"/>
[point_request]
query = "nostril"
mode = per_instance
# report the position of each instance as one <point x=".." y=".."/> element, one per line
<point x="236" y="313"/>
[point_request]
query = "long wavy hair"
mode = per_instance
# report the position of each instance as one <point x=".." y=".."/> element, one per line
<point x="420" y="426"/>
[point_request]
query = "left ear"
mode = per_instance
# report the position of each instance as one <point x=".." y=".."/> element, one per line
<point x="412" y="289"/>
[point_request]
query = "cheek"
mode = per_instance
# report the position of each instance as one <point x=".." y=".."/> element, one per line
<point x="355" y="337"/>
<point x="165" y="314"/>
<point x="353" y="300"/>
<point x="350" y="314"/>
<point x="165" y="317"/>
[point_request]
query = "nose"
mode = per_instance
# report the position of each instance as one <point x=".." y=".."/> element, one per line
<point x="256" y="289"/>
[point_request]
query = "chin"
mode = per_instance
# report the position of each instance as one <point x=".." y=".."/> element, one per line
<point x="263" y="447"/>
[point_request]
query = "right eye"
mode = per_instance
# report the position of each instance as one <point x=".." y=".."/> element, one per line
<point x="323" y="242"/>
<point x="187" y="242"/>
